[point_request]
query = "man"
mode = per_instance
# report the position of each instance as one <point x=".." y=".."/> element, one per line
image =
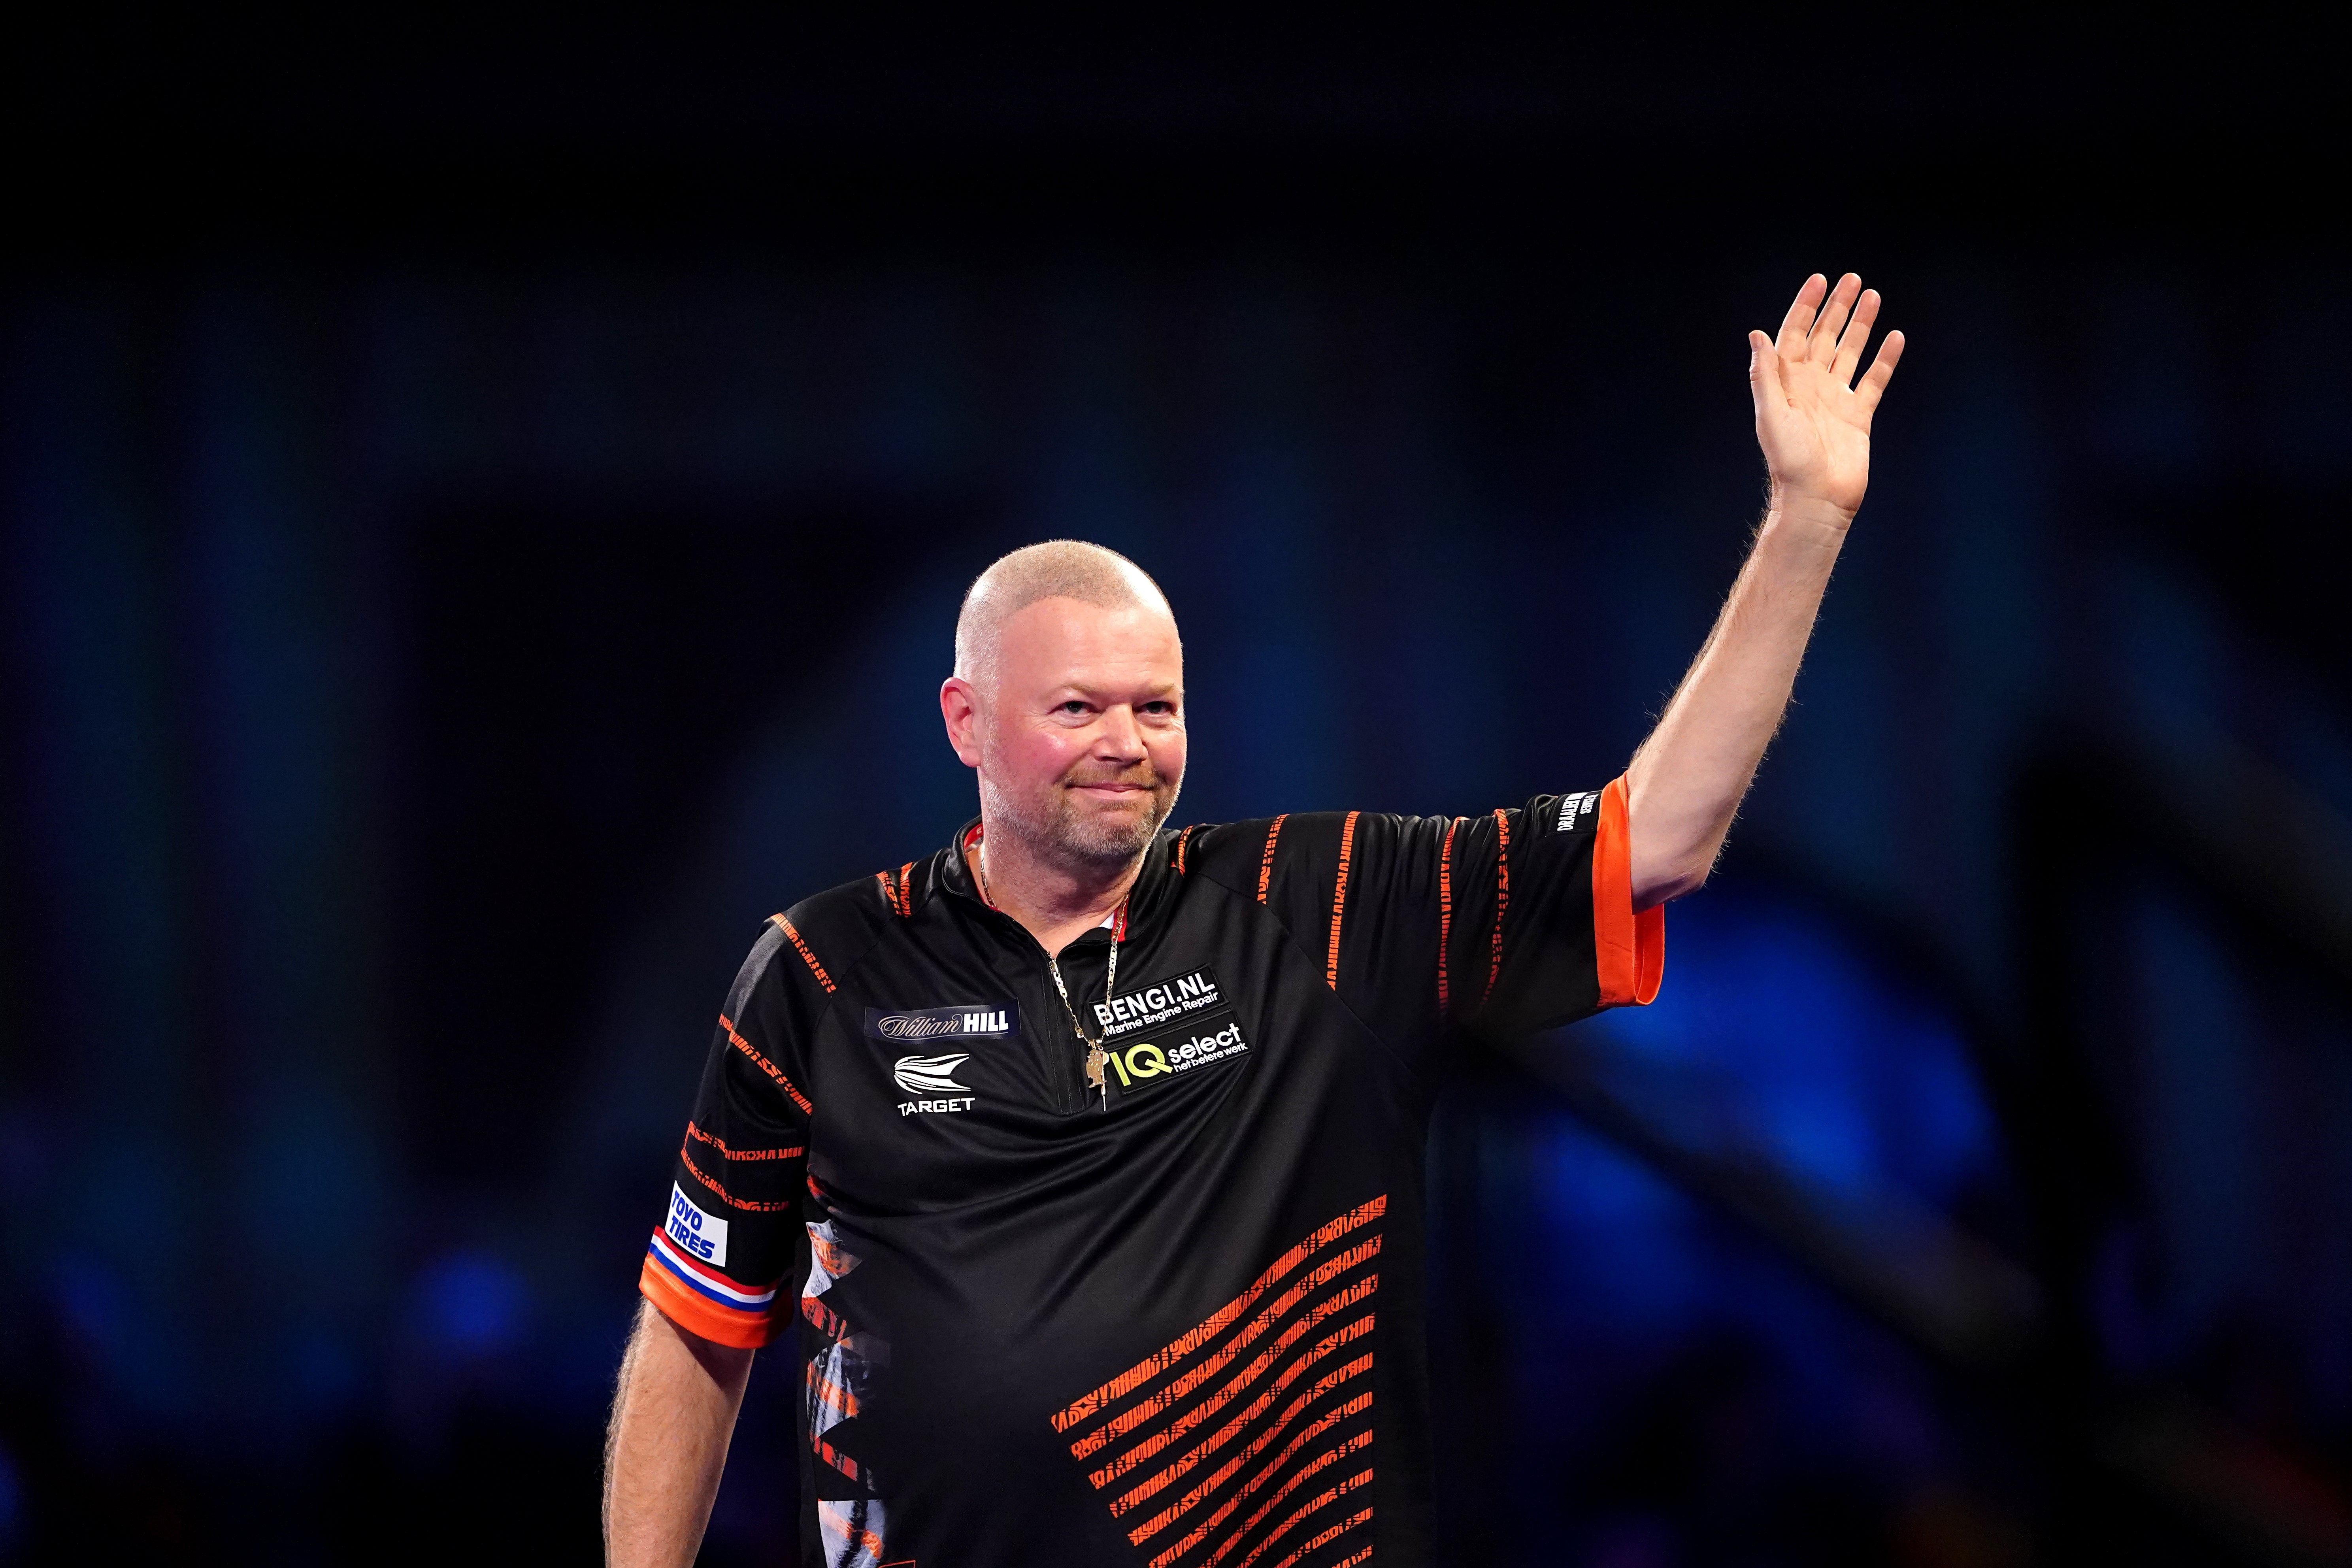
<point x="1087" y="1155"/>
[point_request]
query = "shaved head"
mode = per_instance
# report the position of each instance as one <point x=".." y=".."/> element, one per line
<point x="1068" y="700"/>
<point x="1057" y="568"/>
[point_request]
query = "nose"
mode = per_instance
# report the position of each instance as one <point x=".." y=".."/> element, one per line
<point x="1119" y="737"/>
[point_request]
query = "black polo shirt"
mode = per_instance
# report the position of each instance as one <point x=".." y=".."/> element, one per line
<point x="1178" y="1324"/>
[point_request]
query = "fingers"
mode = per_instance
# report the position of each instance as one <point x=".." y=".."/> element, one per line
<point x="1791" y="343"/>
<point x="1882" y="371"/>
<point x="1855" y="336"/>
<point x="1821" y="344"/>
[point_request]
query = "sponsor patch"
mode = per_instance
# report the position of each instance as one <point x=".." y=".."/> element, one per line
<point x="1576" y="810"/>
<point x="1148" y="1007"/>
<point x="930" y="1075"/>
<point x="964" y="1021"/>
<point x="701" y="1235"/>
<point x="1157" y="1033"/>
<point x="932" y="1080"/>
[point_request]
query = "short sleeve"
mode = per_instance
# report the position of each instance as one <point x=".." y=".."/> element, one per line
<point x="1503" y="923"/>
<point x="732" y="1228"/>
<point x="1553" y="935"/>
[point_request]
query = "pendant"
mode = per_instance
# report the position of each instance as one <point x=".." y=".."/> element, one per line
<point x="1095" y="1057"/>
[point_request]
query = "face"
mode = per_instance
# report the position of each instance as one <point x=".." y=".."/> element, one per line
<point x="1080" y="743"/>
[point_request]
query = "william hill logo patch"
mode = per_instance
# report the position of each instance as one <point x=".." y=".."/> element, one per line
<point x="1157" y="1033"/>
<point x="965" y="1021"/>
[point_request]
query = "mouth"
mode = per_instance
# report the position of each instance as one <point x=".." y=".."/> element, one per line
<point x="1111" y="792"/>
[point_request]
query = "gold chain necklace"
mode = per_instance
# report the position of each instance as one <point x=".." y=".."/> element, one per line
<point x="1096" y="1057"/>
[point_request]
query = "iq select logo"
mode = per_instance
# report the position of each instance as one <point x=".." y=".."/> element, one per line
<point x="1157" y="1033"/>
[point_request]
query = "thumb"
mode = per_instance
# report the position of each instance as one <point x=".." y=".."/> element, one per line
<point x="1764" y="374"/>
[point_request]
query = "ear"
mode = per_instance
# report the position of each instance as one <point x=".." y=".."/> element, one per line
<point x="960" y="707"/>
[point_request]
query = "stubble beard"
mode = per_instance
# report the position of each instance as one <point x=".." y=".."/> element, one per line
<point x="1057" y="830"/>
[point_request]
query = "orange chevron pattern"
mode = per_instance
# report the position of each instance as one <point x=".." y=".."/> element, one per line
<point x="1265" y="1408"/>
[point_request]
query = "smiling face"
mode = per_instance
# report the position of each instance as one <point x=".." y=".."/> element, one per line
<point x="1076" y="728"/>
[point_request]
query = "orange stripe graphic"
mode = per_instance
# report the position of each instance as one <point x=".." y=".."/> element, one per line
<point x="1501" y="897"/>
<point x="1365" y="1555"/>
<point x="1324" y="1537"/>
<point x="831" y="1256"/>
<point x="1339" y="899"/>
<point x="1260" y="1444"/>
<point x="830" y="1392"/>
<point x="824" y="1318"/>
<point x="1313" y="1467"/>
<point x="1265" y="865"/>
<point x="814" y="967"/>
<point x="1226" y="1472"/>
<point x="1176" y="1430"/>
<point x="847" y="1467"/>
<point x="1353" y="1483"/>
<point x="1257" y="1407"/>
<point x="1181" y="839"/>
<point x="1444" y="915"/>
<point x="1136" y="1414"/>
<point x="766" y="1066"/>
<point x="1159" y="1361"/>
<point x="700" y="1136"/>
<point x="1330" y="1457"/>
<point x="685" y="1157"/>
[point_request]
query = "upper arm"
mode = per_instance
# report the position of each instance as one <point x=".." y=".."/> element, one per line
<point x="733" y="1233"/>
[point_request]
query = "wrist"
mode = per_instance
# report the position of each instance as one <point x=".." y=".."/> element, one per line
<point x="1794" y="511"/>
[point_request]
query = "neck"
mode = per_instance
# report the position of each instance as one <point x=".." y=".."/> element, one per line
<point x="1055" y="900"/>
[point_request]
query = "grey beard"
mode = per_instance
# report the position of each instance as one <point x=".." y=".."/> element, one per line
<point x="1062" y="836"/>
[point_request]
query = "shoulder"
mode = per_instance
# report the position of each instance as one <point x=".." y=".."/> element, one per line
<point x="1252" y="856"/>
<point x="820" y="939"/>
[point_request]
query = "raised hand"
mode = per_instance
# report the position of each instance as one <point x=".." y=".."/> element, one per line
<point x="1812" y="419"/>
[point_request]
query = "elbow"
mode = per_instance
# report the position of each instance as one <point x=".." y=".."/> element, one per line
<point x="1663" y="884"/>
<point x="1670" y="853"/>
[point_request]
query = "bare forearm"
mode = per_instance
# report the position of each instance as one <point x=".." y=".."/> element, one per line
<point x="672" y="1416"/>
<point x="1685" y="782"/>
<point x="1812" y="424"/>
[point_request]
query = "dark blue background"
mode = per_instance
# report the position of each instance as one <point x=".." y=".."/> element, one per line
<point x="483" y="514"/>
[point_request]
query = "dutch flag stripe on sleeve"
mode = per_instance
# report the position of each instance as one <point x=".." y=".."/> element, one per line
<point x="706" y="1281"/>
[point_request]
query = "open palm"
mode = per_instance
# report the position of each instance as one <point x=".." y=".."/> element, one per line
<point x="1811" y="418"/>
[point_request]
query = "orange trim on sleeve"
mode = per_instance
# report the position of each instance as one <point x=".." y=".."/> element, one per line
<point x="1628" y="950"/>
<point x="696" y="1316"/>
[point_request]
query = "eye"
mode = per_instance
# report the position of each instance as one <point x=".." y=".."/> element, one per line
<point x="1072" y="705"/>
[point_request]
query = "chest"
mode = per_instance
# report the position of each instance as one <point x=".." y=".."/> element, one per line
<point x="951" y="1071"/>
